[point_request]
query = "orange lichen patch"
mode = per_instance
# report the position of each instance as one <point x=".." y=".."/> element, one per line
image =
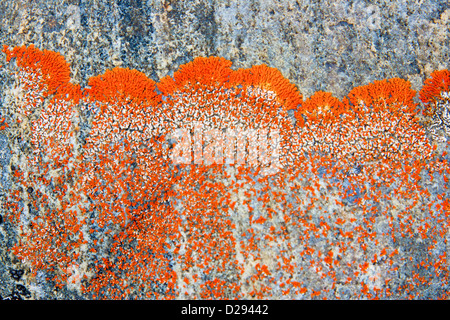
<point x="374" y="151"/>
<point x="432" y="87"/>
<point x="207" y="195"/>
<point x="53" y="133"/>
<point x="125" y="176"/>
<point x="223" y="106"/>
<point x="49" y="225"/>
<point x="45" y="73"/>
<point x="52" y="66"/>
<point x="3" y="124"/>
<point x="362" y="132"/>
<point x="137" y="264"/>
<point x="356" y="185"/>
<point x="392" y="95"/>
<point x="323" y="104"/>
<point x="120" y="83"/>
<point x="272" y="82"/>
<point x="125" y="104"/>
<point x="212" y="71"/>
<point x="435" y="95"/>
<point x="42" y="74"/>
<point x="206" y="240"/>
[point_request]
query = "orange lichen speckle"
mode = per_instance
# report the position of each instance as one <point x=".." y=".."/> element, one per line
<point x="255" y="203"/>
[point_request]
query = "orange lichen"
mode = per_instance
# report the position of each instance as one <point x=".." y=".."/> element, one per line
<point x="212" y="72"/>
<point x="348" y="180"/>
<point x="123" y="173"/>
<point x="120" y="83"/>
<point x="272" y="81"/>
<point x="391" y="95"/>
<point x="209" y="92"/>
<point x="376" y="143"/>
<point x="50" y="227"/>
<point x="320" y="104"/>
<point x="50" y="65"/>
<point x="3" y="124"/>
<point x="432" y="87"/>
<point x="435" y="95"/>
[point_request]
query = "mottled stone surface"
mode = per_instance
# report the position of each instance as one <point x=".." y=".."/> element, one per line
<point x="318" y="45"/>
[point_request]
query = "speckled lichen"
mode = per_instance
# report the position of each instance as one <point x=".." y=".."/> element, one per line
<point x="358" y="208"/>
<point x="329" y="46"/>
